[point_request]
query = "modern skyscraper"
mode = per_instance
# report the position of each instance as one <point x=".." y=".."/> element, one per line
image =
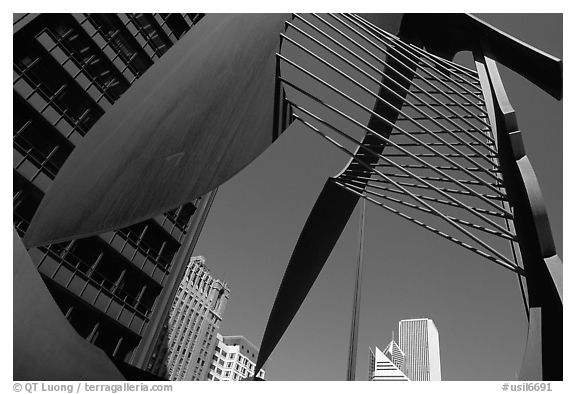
<point x="420" y="343"/>
<point x="188" y="338"/>
<point x="69" y="69"/>
<point x="396" y="355"/>
<point x="381" y="368"/>
<point x="234" y="358"/>
<point x="371" y="364"/>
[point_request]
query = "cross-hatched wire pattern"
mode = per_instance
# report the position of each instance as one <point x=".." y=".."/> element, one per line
<point x="415" y="127"/>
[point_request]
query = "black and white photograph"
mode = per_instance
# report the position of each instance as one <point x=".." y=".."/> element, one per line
<point x="294" y="197"/>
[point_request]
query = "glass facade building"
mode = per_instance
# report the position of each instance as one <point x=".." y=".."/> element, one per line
<point x="420" y="343"/>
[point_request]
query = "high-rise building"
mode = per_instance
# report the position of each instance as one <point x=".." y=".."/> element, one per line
<point x="420" y="343"/>
<point x="69" y="69"/>
<point x="234" y="358"/>
<point x="381" y="368"/>
<point x="371" y="364"/>
<point x="189" y="336"/>
<point x="396" y="355"/>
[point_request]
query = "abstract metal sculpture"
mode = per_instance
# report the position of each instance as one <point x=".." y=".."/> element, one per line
<point x="203" y="112"/>
<point x="454" y="162"/>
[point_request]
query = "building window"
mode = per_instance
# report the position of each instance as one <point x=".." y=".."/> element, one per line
<point x="148" y="33"/>
<point x="37" y="147"/>
<point x="83" y="60"/>
<point x="121" y="43"/>
<point x="45" y="85"/>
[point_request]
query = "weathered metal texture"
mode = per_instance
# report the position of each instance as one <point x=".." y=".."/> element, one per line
<point x="448" y="34"/>
<point x="203" y="112"/>
<point x="46" y="347"/>
<point x="544" y="346"/>
<point x="326" y="221"/>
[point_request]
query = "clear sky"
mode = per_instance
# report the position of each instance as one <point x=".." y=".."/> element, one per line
<point x="257" y="217"/>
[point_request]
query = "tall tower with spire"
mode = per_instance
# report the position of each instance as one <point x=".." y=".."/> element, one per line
<point x="381" y="367"/>
<point x="396" y="355"/>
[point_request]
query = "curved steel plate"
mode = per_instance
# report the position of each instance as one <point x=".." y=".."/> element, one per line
<point x="197" y="117"/>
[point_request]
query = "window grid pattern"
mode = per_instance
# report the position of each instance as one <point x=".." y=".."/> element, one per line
<point x="67" y="73"/>
<point x="38" y="148"/>
<point x="53" y="93"/>
<point x="110" y="34"/>
<point x="85" y="64"/>
<point x="133" y="248"/>
<point x="65" y="268"/>
<point x="148" y="32"/>
<point x="176" y="25"/>
<point x="232" y="361"/>
<point x="190" y="334"/>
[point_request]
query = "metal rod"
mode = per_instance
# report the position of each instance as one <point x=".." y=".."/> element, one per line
<point x="408" y="91"/>
<point x="421" y="126"/>
<point x="446" y="117"/>
<point x="463" y="69"/>
<point x="360" y="22"/>
<point x="459" y="105"/>
<point x="455" y="75"/>
<point x="403" y="77"/>
<point x="440" y="214"/>
<point x="464" y="206"/>
<point x="385" y="51"/>
<point x="423" y="209"/>
<point x="430" y="143"/>
<point x="380" y="136"/>
<point x="435" y="188"/>
<point x="444" y="168"/>
<point x="413" y="62"/>
<point x="433" y="199"/>
<point x="452" y="91"/>
<point x="406" y="47"/>
<point x="504" y="264"/>
<point x="352" y="351"/>
<point x="434" y="60"/>
<point x="443" y="69"/>
<point x="461" y="155"/>
<point x="395" y="126"/>
<point x="428" y="178"/>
